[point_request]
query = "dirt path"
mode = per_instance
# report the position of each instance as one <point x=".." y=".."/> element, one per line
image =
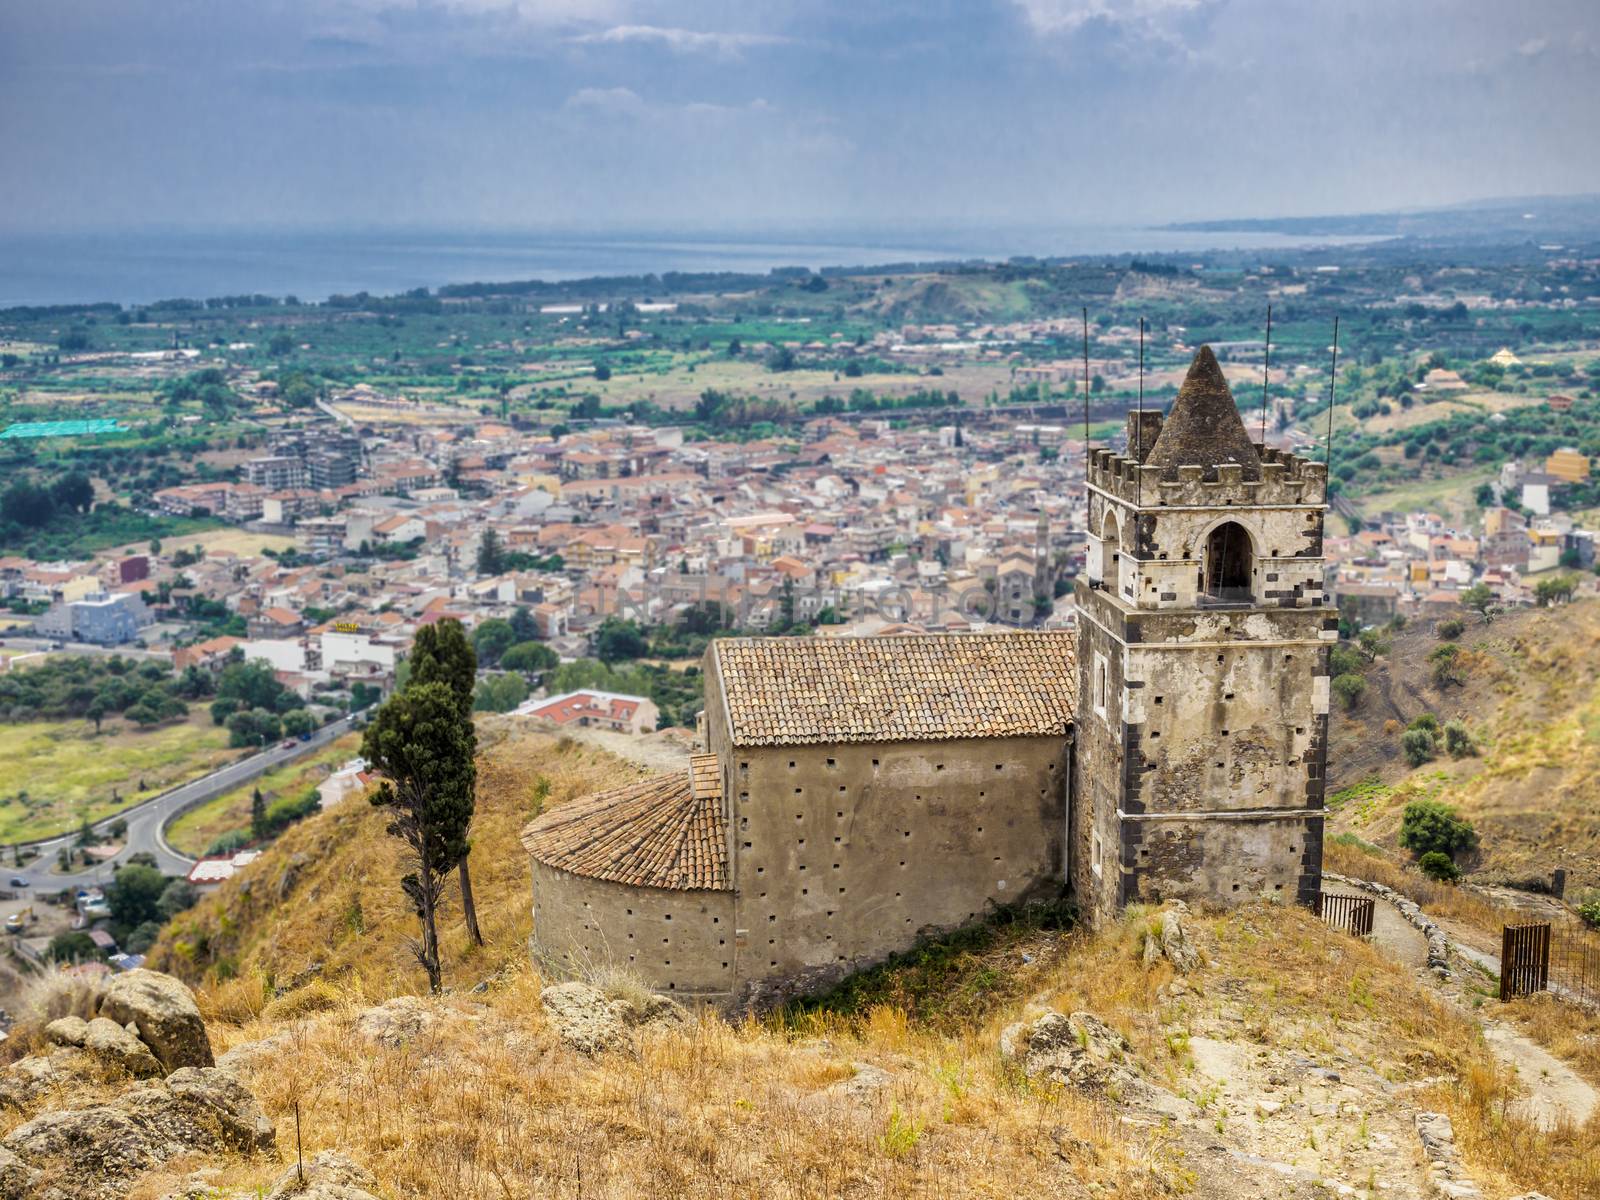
<point x="1556" y="1094"/>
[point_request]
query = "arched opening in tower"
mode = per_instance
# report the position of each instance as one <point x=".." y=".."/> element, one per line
<point x="1110" y="551"/>
<point x="1228" y="565"/>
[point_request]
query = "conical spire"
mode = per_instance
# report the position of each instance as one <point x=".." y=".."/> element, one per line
<point x="1204" y="428"/>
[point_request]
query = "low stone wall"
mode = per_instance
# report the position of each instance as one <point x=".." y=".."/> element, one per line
<point x="1438" y="947"/>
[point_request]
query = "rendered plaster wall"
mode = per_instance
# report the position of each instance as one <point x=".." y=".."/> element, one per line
<point x="847" y="853"/>
<point x="680" y="942"/>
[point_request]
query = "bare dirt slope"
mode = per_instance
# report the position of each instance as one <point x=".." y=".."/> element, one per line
<point x="1531" y="697"/>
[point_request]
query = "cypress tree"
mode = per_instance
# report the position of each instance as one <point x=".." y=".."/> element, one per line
<point x="441" y="653"/>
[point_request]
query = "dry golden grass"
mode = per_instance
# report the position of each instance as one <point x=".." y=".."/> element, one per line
<point x="326" y="895"/>
<point x="486" y="1103"/>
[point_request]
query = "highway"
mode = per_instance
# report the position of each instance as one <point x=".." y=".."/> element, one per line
<point x="148" y="819"/>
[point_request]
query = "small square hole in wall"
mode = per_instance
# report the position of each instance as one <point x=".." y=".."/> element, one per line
<point x="805" y="891"/>
<point x="1159" y="699"/>
<point x="841" y="789"/>
<point x="999" y="766"/>
<point x="832" y="763"/>
<point x="874" y="762"/>
<point x="839" y="813"/>
<point x="1155" y="735"/>
<point x="1236" y="887"/>
<point x="1227" y="695"/>
<point x="1219" y="658"/>
<point x="938" y="766"/>
<point x="791" y="764"/>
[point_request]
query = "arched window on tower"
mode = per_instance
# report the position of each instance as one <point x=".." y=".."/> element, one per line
<point x="1228" y="565"/>
<point x="1110" y="552"/>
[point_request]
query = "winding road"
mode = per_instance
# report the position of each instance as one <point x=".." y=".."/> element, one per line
<point x="148" y="819"/>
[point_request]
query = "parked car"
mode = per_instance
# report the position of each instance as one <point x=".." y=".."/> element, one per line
<point x="20" y="881"/>
<point x="288" y="743"/>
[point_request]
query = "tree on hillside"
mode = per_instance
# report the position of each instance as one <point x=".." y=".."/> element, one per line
<point x="1480" y="600"/>
<point x="441" y="654"/>
<point x="418" y="744"/>
<point x="258" y="816"/>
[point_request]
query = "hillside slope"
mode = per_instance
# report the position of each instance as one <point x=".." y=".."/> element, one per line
<point x="1530" y="694"/>
<point x="325" y="899"/>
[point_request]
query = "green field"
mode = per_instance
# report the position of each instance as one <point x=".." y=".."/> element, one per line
<point x="59" y="773"/>
<point x="194" y="831"/>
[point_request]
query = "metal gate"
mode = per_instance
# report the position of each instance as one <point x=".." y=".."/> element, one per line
<point x="1524" y="960"/>
<point x="1353" y="914"/>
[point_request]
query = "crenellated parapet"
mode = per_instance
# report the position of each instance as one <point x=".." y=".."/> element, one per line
<point x="1286" y="479"/>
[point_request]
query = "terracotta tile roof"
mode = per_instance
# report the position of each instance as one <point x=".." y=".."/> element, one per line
<point x="917" y="687"/>
<point x="705" y="777"/>
<point x="660" y="832"/>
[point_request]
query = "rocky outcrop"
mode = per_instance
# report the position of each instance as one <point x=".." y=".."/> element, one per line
<point x="164" y="1012"/>
<point x="1170" y="939"/>
<point x="1079" y="1051"/>
<point x="591" y="1022"/>
<point x="395" y="1022"/>
<point x="94" y="1151"/>
<point x="328" y="1176"/>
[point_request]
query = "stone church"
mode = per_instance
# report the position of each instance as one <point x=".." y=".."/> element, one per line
<point x="858" y="793"/>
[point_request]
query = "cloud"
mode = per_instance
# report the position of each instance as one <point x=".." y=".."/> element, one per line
<point x="1068" y="16"/>
<point x="619" y="101"/>
<point x="681" y="41"/>
<point x="1533" y="47"/>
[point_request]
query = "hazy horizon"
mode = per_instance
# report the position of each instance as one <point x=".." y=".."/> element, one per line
<point x="596" y="116"/>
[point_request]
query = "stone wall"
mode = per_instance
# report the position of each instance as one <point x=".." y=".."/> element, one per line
<point x="679" y="942"/>
<point x="845" y="854"/>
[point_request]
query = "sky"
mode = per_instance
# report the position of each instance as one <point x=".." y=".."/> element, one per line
<point x="781" y="114"/>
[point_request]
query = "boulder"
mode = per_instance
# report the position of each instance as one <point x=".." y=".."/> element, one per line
<point x="16" y="1177"/>
<point x="1079" y="1051"/>
<point x="94" y="1152"/>
<point x="1175" y="942"/>
<point x="27" y="1079"/>
<point x="164" y="1012"/>
<point x="328" y="1176"/>
<point x="119" y="1047"/>
<point x="219" y="1098"/>
<point x="66" y="1031"/>
<point x="590" y="1021"/>
<point x="395" y="1022"/>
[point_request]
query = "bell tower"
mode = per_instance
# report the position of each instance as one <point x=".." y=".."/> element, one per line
<point x="1203" y="638"/>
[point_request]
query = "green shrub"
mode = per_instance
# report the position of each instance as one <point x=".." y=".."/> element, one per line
<point x="1426" y="721"/>
<point x="1431" y="825"/>
<point x="1442" y="867"/>
<point x="1589" y="909"/>
<point x="1458" y="740"/>
<point x="228" y="843"/>
<point x="1349" y="688"/>
<point x="1451" y="629"/>
<point x="1418" y="746"/>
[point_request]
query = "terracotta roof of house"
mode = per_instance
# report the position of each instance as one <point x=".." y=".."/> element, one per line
<point x="1204" y="427"/>
<point x="661" y="832"/>
<point x="916" y="687"/>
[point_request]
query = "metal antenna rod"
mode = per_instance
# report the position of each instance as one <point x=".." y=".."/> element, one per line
<point x="1266" y="361"/>
<point x="1333" y="383"/>
<point x="1138" y="427"/>
<point x="1086" y="451"/>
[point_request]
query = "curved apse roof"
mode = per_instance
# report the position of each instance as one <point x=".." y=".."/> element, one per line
<point x="666" y="831"/>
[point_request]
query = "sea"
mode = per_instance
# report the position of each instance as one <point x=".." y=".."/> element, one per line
<point x="140" y="267"/>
